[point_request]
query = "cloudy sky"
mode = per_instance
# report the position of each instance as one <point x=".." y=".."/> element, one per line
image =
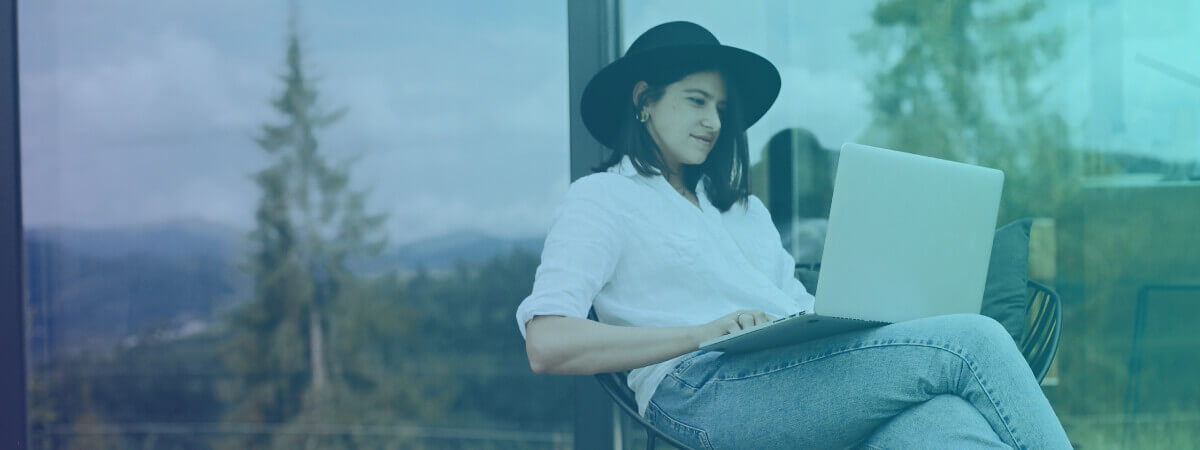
<point x="141" y="112"/>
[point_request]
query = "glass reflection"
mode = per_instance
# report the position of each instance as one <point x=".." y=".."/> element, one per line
<point x="1090" y="109"/>
<point x="288" y="225"/>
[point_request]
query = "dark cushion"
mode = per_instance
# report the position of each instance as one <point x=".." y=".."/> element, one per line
<point x="1004" y="296"/>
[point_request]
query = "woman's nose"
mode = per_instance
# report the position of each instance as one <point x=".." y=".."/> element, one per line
<point x="711" y="120"/>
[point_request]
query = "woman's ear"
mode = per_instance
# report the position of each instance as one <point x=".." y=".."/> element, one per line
<point x="638" y="88"/>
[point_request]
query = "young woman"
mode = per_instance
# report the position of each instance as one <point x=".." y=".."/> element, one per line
<point x="668" y="247"/>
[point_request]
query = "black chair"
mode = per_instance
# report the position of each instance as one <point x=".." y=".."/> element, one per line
<point x="617" y="387"/>
<point x="1043" y="328"/>
<point x="1039" y="345"/>
<point x="618" y="390"/>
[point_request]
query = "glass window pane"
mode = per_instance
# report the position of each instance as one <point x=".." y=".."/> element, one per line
<point x="257" y="226"/>
<point x="1091" y="108"/>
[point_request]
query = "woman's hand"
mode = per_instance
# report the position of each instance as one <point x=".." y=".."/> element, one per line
<point x="733" y="322"/>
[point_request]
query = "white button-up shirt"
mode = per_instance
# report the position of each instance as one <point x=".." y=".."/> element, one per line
<point x="642" y="255"/>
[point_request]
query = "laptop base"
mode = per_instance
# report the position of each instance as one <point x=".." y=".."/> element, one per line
<point x="796" y="329"/>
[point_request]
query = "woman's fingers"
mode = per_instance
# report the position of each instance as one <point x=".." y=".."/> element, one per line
<point x="762" y="317"/>
<point x="740" y="320"/>
<point x="751" y="318"/>
<point x="743" y="319"/>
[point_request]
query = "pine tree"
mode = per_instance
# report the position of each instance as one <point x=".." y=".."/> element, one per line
<point x="289" y="366"/>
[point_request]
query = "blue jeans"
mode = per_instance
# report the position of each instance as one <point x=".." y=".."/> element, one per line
<point x="954" y="381"/>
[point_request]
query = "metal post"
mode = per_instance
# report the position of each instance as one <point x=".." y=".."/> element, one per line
<point x="594" y="40"/>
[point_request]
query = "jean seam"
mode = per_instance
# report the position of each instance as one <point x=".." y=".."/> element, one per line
<point x="680" y="380"/>
<point x="703" y="435"/>
<point x="880" y="344"/>
<point x="988" y="391"/>
<point x="684" y="363"/>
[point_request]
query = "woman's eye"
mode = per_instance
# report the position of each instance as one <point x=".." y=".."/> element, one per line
<point x="698" y="101"/>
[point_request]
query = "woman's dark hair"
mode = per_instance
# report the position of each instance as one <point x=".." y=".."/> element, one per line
<point x="728" y="162"/>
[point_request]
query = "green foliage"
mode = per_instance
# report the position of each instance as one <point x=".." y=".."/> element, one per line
<point x="962" y="80"/>
<point x="448" y="356"/>
<point x="468" y="323"/>
<point x="84" y="401"/>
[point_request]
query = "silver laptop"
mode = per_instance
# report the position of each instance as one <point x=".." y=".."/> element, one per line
<point x="909" y="237"/>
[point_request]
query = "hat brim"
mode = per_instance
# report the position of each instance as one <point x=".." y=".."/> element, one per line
<point x="609" y="93"/>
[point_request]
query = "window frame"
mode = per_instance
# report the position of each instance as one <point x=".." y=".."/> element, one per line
<point x="594" y="40"/>
<point x="13" y="425"/>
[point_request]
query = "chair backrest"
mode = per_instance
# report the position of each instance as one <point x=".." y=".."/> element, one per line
<point x="618" y="390"/>
<point x="1043" y="328"/>
<point x="615" y="384"/>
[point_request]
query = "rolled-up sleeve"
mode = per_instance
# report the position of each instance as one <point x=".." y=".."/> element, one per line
<point x="784" y="272"/>
<point x="581" y="251"/>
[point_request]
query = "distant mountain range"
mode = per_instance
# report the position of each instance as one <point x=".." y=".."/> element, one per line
<point x="93" y="288"/>
<point x="443" y="251"/>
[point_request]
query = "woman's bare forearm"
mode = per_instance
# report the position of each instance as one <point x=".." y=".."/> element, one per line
<point x="574" y="346"/>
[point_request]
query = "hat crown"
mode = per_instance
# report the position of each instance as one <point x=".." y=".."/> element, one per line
<point x="672" y="34"/>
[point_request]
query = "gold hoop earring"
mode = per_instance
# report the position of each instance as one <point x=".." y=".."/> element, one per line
<point x="643" y="116"/>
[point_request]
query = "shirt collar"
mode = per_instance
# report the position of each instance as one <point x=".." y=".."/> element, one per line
<point x="626" y="168"/>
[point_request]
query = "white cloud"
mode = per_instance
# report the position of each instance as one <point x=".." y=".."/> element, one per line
<point x="543" y="109"/>
<point x="112" y="142"/>
<point x="181" y="76"/>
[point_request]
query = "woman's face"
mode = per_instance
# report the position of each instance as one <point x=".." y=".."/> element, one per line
<point x="686" y="121"/>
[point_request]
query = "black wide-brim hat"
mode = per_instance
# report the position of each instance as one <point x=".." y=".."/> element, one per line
<point x="609" y="95"/>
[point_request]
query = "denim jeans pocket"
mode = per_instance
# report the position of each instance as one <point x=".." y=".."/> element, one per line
<point x="695" y="369"/>
<point x="689" y="435"/>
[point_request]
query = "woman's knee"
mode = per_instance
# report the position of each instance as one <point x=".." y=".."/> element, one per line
<point x="975" y="330"/>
